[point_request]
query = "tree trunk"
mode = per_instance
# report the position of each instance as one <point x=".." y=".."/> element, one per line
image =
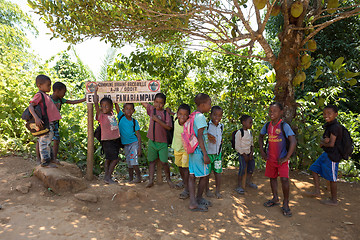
<point x="285" y="68"/>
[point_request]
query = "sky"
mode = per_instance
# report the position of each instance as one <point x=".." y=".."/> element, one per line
<point x="91" y="52"/>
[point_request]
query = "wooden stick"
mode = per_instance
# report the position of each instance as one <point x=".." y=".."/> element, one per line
<point x="90" y="144"/>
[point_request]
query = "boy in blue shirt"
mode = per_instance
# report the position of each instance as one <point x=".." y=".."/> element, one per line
<point x="199" y="160"/>
<point x="130" y="138"/>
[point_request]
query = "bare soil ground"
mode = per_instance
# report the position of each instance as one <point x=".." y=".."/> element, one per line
<point x="128" y="211"/>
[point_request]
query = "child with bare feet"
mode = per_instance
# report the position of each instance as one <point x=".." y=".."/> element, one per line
<point x="328" y="162"/>
<point x="59" y="90"/>
<point x="160" y="121"/>
<point x="41" y="98"/>
<point x="181" y="157"/>
<point x="215" y="131"/>
<point x="131" y="139"/>
<point x="244" y="145"/>
<point x="110" y="135"/>
<point x="199" y="160"/>
<point x="277" y="156"/>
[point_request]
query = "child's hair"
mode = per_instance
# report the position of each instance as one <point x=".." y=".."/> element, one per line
<point x="333" y="107"/>
<point x="58" y="86"/>
<point x="108" y="100"/>
<point x="41" y="79"/>
<point x="133" y="106"/>
<point x="161" y="95"/>
<point x="279" y="105"/>
<point x="215" y="108"/>
<point x="244" y="118"/>
<point x="185" y="107"/>
<point x="201" y="98"/>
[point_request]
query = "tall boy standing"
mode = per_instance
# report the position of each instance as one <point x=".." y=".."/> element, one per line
<point x="328" y="163"/>
<point x="160" y="121"/>
<point x="277" y="156"/>
<point x="44" y="85"/>
<point x="199" y="160"/>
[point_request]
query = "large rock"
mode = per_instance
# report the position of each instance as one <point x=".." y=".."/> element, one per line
<point x="65" y="178"/>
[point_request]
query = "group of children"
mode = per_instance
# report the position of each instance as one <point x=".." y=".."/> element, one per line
<point x="207" y="157"/>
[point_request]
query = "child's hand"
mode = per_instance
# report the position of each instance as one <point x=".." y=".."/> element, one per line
<point x="282" y="160"/>
<point x="206" y="159"/>
<point x="139" y="152"/>
<point x="38" y="122"/>
<point x="263" y="154"/>
<point x="211" y="138"/>
<point x="246" y="157"/>
<point x="155" y="118"/>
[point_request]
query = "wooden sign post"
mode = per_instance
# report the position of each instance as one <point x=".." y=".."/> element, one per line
<point x="118" y="92"/>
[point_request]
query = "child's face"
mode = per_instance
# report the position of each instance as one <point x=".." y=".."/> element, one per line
<point x="205" y="107"/>
<point x="275" y="112"/>
<point x="329" y="114"/>
<point x="106" y="107"/>
<point x="247" y="124"/>
<point x="216" y="116"/>
<point x="128" y="110"/>
<point x="182" y="115"/>
<point x="159" y="103"/>
<point x="60" y="93"/>
<point x="45" y="87"/>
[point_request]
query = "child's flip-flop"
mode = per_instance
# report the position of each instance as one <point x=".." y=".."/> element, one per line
<point x="204" y="202"/>
<point x="271" y="203"/>
<point x="286" y="212"/>
<point x="184" y="195"/>
<point x="200" y="208"/>
<point x="240" y="190"/>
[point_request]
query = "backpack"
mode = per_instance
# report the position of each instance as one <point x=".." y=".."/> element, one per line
<point x="346" y="145"/>
<point x="233" y="136"/>
<point x="169" y="133"/>
<point x="188" y="136"/>
<point x="283" y="131"/>
<point x="30" y="121"/>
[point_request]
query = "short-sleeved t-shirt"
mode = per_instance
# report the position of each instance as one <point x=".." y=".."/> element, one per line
<point x="333" y="128"/>
<point x="160" y="132"/>
<point x="200" y="122"/>
<point x="243" y="143"/>
<point x="216" y="131"/>
<point x="277" y="141"/>
<point x="59" y="102"/>
<point x="126" y="128"/>
<point x="177" y="144"/>
<point x="52" y="111"/>
<point x="109" y="126"/>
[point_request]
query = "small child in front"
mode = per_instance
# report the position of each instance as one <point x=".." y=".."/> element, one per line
<point x="110" y="135"/>
<point x="160" y="121"/>
<point x="181" y="157"/>
<point x="215" y="131"/>
<point x="328" y="163"/>
<point x="277" y="157"/>
<point x="244" y="145"/>
<point x="199" y="160"/>
<point x="59" y="90"/>
<point x="131" y="139"/>
<point x="44" y="85"/>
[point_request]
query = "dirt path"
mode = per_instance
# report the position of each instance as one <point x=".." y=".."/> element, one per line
<point x="127" y="211"/>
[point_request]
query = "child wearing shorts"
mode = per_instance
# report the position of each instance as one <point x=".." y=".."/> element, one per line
<point x="215" y="131"/>
<point x="131" y="139"/>
<point x="110" y="135"/>
<point x="181" y="157"/>
<point x="244" y="146"/>
<point x="277" y="156"/>
<point x="160" y="122"/>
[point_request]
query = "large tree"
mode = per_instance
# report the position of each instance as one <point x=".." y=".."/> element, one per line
<point x="216" y="21"/>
